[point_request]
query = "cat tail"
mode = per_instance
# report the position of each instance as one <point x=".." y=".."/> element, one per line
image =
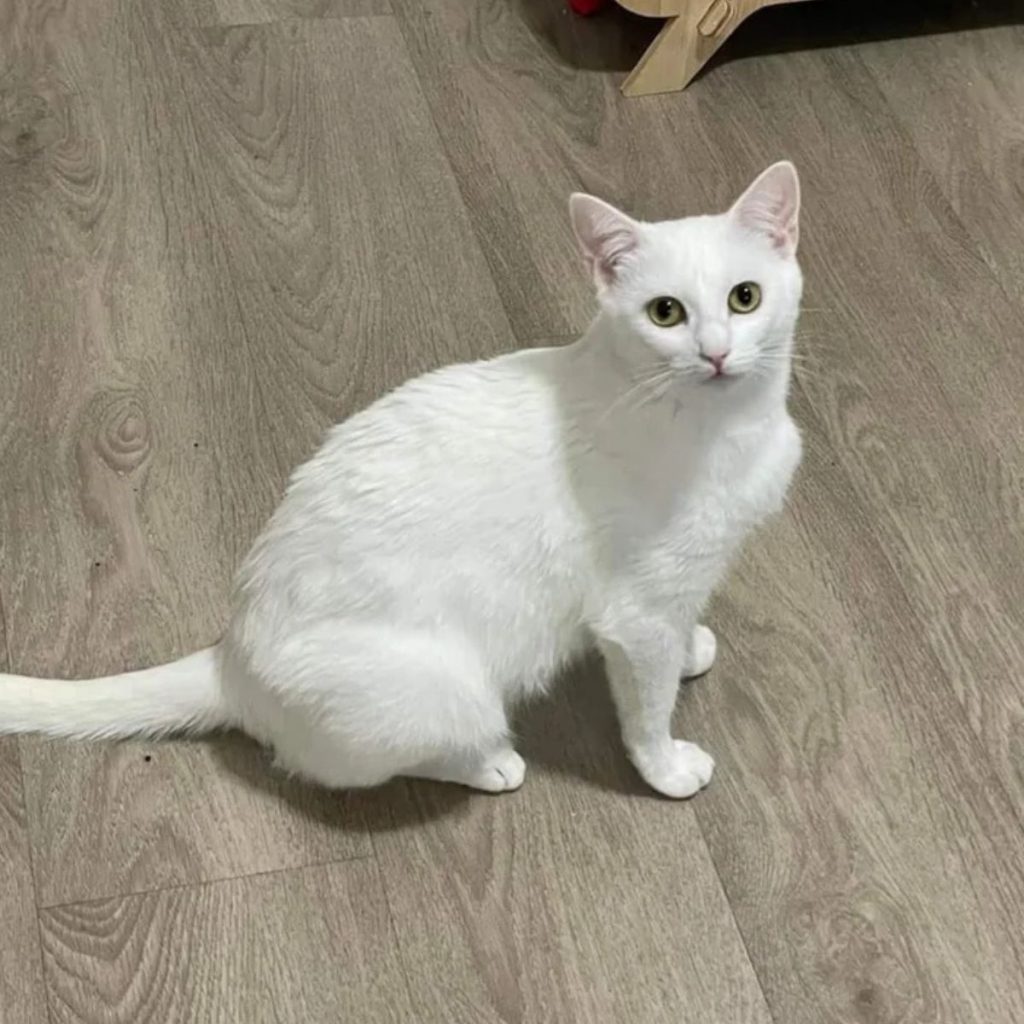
<point x="182" y="696"/>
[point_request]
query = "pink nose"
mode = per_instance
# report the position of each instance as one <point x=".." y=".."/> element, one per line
<point x="717" y="361"/>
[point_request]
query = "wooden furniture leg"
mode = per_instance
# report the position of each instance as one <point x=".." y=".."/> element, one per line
<point x="694" y="31"/>
<point x="684" y="45"/>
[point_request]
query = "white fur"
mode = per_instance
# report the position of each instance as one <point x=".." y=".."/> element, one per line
<point x="452" y="546"/>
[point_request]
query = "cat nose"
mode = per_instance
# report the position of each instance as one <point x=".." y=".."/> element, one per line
<point x="713" y="344"/>
<point x="716" y="359"/>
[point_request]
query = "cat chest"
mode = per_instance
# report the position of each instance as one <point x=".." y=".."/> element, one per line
<point x="735" y="495"/>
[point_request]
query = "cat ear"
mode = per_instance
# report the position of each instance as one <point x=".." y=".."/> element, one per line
<point x="607" y="236"/>
<point x="771" y="207"/>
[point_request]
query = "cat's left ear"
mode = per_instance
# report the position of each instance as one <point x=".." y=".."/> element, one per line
<point x="771" y="207"/>
<point x="607" y="236"/>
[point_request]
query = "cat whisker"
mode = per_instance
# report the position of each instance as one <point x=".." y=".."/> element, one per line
<point x="769" y="363"/>
<point x="652" y="396"/>
<point x="659" y="374"/>
<point x="656" y="388"/>
<point x="818" y="341"/>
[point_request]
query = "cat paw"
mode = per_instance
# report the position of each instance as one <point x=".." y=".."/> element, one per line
<point x="703" y="648"/>
<point x="500" y="773"/>
<point x="679" y="772"/>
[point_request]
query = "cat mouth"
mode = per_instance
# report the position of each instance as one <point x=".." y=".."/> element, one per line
<point x="721" y="377"/>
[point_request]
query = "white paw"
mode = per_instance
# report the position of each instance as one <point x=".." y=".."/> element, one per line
<point x="503" y="771"/>
<point x="703" y="648"/>
<point x="678" y="772"/>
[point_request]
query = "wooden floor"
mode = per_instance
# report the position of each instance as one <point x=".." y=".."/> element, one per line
<point x="225" y="224"/>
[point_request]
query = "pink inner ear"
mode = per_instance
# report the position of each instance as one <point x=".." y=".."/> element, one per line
<point x="606" y="236"/>
<point x="610" y="250"/>
<point x="771" y="215"/>
<point x="771" y="207"/>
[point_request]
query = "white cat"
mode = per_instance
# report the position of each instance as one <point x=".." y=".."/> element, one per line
<point x="449" y="548"/>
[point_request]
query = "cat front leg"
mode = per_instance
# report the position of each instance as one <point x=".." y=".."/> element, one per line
<point x="645" y="660"/>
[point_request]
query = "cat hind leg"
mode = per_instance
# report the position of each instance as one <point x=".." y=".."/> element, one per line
<point x="373" y="703"/>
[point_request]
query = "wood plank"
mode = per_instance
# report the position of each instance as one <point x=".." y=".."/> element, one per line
<point x="311" y="946"/>
<point x="192" y="298"/>
<point x="582" y="897"/>
<point x="980" y="174"/>
<point x="254" y="12"/>
<point x="22" y="992"/>
<point x="855" y="821"/>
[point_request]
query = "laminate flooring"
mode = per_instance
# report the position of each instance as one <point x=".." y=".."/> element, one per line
<point x="226" y="224"/>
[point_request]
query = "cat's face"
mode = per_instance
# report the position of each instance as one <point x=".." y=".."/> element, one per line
<point x="715" y="298"/>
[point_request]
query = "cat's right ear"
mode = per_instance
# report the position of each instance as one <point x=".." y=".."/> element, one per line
<point x="607" y="237"/>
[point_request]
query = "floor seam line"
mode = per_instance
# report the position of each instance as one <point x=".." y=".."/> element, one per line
<point x="203" y="883"/>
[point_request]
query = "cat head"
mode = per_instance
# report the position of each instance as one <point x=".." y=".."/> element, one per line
<point x="715" y="297"/>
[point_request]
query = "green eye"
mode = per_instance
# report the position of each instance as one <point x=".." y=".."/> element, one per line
<point x="745" y="298"/>
<point x="666" y="311"/>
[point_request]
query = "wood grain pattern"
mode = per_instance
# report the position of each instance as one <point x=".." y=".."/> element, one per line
<point x="980" y="179"/>
<point x="948" y="498"/>
<point x="253" y="12"/>
<point x="157" y="437"/>
<point x="624" y="929"/>
<point x="313" y="945"/>
<point x="22" y="992"/>
<point x="524" y="127"/>
<point x="22" y="988"/>
<point x="214" y="241"/>
<point x="833" y="721"/>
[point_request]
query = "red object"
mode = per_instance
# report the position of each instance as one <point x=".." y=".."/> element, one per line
<point x="586" y="7"/>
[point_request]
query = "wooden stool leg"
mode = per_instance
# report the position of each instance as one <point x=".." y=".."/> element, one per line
<point x="684" y="45"/>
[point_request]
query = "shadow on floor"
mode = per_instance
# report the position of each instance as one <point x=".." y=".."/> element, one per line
<point x="573" y="732"/>
<point x="616" y="39"/>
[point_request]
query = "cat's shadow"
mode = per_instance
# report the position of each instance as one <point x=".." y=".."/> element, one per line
<point x="572" y="733"/>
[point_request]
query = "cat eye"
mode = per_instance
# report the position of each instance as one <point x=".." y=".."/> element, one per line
<point x="745" y="297"/>
<point x="666" y="311"/>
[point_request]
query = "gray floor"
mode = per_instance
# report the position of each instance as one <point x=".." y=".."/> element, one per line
<point x="225" y="224"/>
